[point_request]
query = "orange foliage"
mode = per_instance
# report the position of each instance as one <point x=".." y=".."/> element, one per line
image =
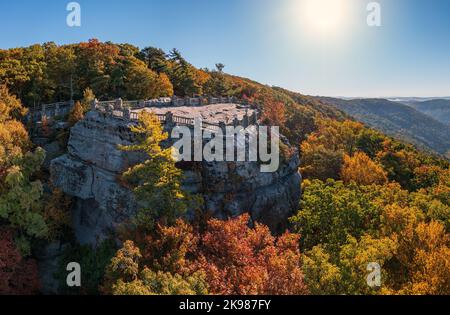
<point x="274" y="113"/>
<point x="201" y="77"/>
<point x="10" y="105"/>
<point x="234" y="258"/>
<point x="239" y="260"/>
<point x="13" y="137"/>
<point x="166" y="250"/>
<point x="431" y="264"/>
<point x="76" y="114"/>
<point x="164" y="85"/>
<point x="362" y="170"/>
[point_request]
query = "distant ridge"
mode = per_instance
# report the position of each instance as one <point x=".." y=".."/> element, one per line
<point x="399" y="99"/>
<point x="398" y="120"/>
<point x="439" y="109"/>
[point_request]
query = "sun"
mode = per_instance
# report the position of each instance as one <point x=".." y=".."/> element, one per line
<point x="320" y="18"/>
<point x="323" y="16"/>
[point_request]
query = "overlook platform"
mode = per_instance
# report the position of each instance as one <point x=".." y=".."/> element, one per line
<point x="214" y="113"/>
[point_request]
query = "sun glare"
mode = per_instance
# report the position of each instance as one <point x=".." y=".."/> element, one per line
<point x="320" y="18"/>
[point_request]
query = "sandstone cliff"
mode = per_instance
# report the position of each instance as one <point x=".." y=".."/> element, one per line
<point x="91" y="169"/>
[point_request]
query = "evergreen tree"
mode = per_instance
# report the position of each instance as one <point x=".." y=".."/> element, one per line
<point x="155" y="182"/>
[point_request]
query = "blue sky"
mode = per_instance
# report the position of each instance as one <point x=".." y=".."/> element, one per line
<point x="265" y="40"/>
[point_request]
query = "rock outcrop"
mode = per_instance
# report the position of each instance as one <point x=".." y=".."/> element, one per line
<point x="91" y="169"/>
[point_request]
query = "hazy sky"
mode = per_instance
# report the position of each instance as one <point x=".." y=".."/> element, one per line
<point x="277" y="42"/>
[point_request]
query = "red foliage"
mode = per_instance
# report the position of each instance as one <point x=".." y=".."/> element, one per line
<point x="17" y="276"/>
<point x="239" y="260"/>
<point x="234" y="258"/>
<point x="96" y="48"/>
<point x="274" y="113"/>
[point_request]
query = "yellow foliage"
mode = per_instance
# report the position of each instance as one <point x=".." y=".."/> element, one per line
<point x="322" y="152"/>
<point x="165" y="87"/>
<point x="201" y="77"/>
<point x="10" y="106"/>
<point x="13" y="136"/>
<point x="431" y="263"/>
<point x="335" y="135"/>
<point x="362" y="170"/>
<point x="157" y="181"/>
<point x="396" y="219"/>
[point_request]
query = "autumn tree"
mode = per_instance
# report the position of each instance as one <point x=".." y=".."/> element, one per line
<point x="356" y="255"/>
<point x="300" y="123"/>
<point x="88" y="98"/>
<point x="370" y="142"/>
<point x="97" y="67"/>
<point x="229" y="257"/>
<point x="17" y="274"/>
<point x="441" y="190"/>
<point x="59" y="75"/>
<point x="76" y="114"/>
<point x="126" y="275"/>
<point x="241" y="260"/>
<point x="362" y="170"/>
<point x="399" y="162"/>
<point x="346" y="227"/>
<point x="143" y="83"/>
<point x="124" y="266"/>
<point x="48" y="73"/>
<point x="23" y="72"/>
<point x="322" y="277"/>
<point x="431" y="261"/>
<point x="323" y="151"/>
<point x="165" y="87"/>
<point x="319" y="162"/>
<point x="168" y="247"/>
<point x="330" y="212"/>
<point x="336" y="135"/>
<point x="426" y="176"/>
<point x="10" y="106"/>
<point x="14" y="140"/>
<point x="274" y="113"/>
<point x="431" y="207"/>
<point x="20" y="196"/>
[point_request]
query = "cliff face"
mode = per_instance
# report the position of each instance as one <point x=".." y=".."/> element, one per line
<point x="91" y="169"/>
